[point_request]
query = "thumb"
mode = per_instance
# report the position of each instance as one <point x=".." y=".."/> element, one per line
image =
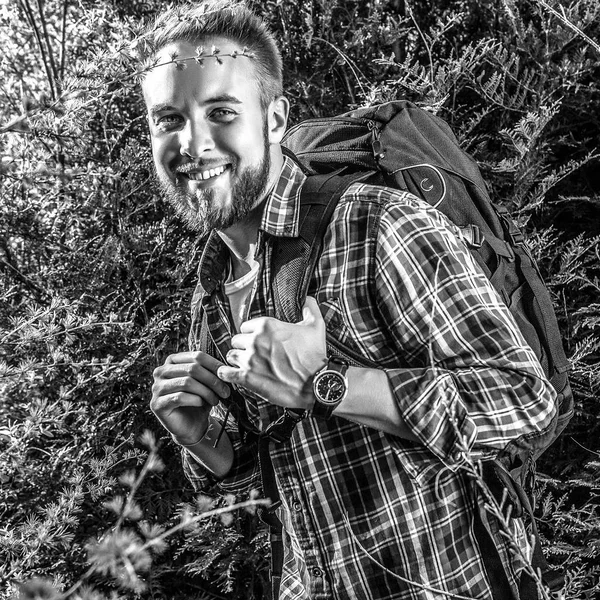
<point x="311" y="313"/>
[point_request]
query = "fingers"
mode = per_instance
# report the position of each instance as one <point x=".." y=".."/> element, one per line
<point x="256" y="325"/>
<point x="187" y="385"/>
<point x="163" y="405"/>
<point x="190" y="377"/>
<point x="238" y="368"/>
<point x="198" y="365"/>
<point x="235" y="358"/>
<point x="200" y="358"/>
<point x="188" y="373"/>
<point x="242" y="341"/>
<point x="311" y="312"/>
<point x="232" y="375"/>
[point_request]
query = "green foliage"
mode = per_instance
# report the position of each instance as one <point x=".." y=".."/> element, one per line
<point x="97" y="274"/>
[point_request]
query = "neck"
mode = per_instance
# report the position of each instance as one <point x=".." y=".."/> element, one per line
<point x="241" y="238"/>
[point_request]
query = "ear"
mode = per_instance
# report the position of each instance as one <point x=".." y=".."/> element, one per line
<point x="278" y="112"/>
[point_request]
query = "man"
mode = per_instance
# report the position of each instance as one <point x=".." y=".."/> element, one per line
<point x="377" y="498"/>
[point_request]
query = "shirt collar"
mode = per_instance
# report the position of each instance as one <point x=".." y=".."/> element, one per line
<point x="282" y="206"/>
<point x="281" y="217"/>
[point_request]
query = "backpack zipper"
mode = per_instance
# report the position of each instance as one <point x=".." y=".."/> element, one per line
<point x="376" y="145"/>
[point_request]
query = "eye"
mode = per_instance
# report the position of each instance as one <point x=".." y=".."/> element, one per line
<point x="223" y="115"/>
<point x="167" y="122"/>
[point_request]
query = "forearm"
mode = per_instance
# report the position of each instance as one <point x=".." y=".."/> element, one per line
<point x="214" y="451"/>
<point x="430" y="406"/>
<point x="370" y="402"/>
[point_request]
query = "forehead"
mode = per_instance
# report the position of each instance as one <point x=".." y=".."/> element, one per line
<point x="200" y="81"/>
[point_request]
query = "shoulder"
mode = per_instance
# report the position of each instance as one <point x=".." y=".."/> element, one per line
<point x="394" y="210"/>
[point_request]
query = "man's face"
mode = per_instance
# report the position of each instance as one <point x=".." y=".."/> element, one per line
<point x="210" y="136"/>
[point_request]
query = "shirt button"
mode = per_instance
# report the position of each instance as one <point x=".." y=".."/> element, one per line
<point x="317" y="572"/>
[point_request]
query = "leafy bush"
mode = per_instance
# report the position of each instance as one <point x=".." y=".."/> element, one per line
<point x="97" y="273"/>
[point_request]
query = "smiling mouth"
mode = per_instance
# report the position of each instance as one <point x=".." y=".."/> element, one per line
<point x="204" y="175"/>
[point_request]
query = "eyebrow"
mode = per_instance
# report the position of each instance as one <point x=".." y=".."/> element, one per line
<point x="158" y="108"/>
<point x="223" y="98"/>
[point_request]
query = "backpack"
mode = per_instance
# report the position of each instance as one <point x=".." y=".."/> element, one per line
<point x="402" y="146"/>
<point x="399" y="145"/>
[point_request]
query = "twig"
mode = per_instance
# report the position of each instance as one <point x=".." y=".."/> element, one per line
<point x="427" y="46"/>
<point x="63" y="38"/>
<point x="48" y="46"/>
<point x="584" y="448"/>
<point x="355" y="70"/>
<point x="211" y="513"/>
<point x="31" y="18"/>
<point x="561" y="16"/>
<point x="15" y="124"/>
<point x="65" y="330"/>
<point x="148" y="545"/>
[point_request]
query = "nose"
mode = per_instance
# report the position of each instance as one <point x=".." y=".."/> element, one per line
<point x="195" y="139"/>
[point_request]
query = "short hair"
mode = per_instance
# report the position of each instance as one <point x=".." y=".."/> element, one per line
<point x="231" y="19"/>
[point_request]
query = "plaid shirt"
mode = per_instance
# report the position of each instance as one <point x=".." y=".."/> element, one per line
<point x="366" y="514"/>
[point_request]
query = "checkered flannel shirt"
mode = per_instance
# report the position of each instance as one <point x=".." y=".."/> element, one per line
<point x="368" y="515"/>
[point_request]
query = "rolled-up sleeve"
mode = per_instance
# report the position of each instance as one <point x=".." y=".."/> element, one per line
<point x="471" y="377"/>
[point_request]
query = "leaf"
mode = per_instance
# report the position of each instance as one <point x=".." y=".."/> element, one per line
<point x="133" y="512"/>
<point x="204" y="503"/>
<point x="148" y="439"/>
<point x="227" y="519"/>
<point x="155" y="463"/>
<point x="115" y="504"/>
<point x="128" y="478"/>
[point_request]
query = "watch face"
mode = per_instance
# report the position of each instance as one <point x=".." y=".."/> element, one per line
<point x="330" y="387"/>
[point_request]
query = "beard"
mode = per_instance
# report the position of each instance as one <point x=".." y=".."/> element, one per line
<point x="200" y="209"/>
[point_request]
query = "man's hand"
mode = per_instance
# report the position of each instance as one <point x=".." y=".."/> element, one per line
<point x="185" y="388"/>
<point x="277" y="360"/>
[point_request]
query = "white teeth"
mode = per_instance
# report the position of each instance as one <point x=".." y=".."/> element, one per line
<point x="203" y="175"/>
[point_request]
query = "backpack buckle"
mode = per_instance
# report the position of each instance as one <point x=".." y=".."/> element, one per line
<point x="281" y="430"/>
<point x="472" y="235"/>
<point x="515" y="234"/>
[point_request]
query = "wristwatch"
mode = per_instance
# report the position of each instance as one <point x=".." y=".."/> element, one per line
<point x="330" y="387"/>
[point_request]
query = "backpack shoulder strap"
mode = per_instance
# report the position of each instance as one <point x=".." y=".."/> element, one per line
<point x="295" y="259"/>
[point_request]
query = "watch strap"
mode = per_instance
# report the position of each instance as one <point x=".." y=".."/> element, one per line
<point x="322" y="410"/>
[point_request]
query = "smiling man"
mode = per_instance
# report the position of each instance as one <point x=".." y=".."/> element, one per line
<point x="376" y="499"/>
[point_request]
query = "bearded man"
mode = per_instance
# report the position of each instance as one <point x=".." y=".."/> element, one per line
<point x="375" y="500"/>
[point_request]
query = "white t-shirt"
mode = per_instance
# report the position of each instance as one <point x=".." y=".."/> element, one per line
<point x="239" y="293"/>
